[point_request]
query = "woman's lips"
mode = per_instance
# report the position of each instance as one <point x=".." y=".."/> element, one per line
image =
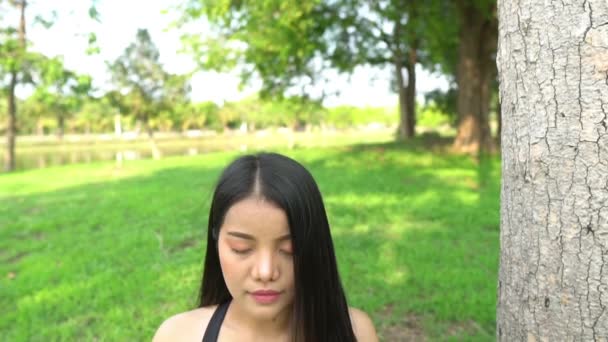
<point x="265" y="296"/>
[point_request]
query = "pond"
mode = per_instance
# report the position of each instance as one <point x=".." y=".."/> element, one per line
<point x="36" y="154"/>
<point x="47" y="158"/>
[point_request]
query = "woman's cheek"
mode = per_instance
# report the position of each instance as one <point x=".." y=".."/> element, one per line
<point x="232" y="270"/>
<point x="230" y="261"/>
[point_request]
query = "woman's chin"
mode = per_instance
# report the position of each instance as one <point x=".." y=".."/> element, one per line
<point x="264" y="310"/>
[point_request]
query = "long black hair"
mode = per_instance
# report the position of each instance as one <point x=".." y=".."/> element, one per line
<point x="320" y="311"/>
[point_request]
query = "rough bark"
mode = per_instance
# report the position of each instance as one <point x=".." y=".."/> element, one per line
<point x="553" y="71"/>
<point x="478" y="36"/>
<point x="11" y="127"/>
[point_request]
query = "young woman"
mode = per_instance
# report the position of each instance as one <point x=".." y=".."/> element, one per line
<point x="270" y="269"/>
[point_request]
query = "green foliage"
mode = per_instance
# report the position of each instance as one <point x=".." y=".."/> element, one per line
<point x="256" y="113"/>
<point x="59" y="92"/>
<point x="295" y="112"/>
<point x="194" y="115"/>
<point x="289" y="44"/>
<point x="15" y="56"/>
<point x="279" y="39"/>
<point x="349" y="116"/>
<point x="93" y="13"/>
<point x="92" y="47"/>
<point x="143" y="88"/>
<point x="445" y="101"/>
<point x="440" y="46"/>
<point x="95" y="115"/>
<point x="416" y="236"/>
<point x="34" y="117"/>
<point x="432" y="116"/>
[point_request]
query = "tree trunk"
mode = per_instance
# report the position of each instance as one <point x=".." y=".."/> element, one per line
<point x="117" y="125"/>
<point x="411" y="90"/>
<point x="11" y="127"/>
<point x="39" y="127"/>
<point x="60" y="127"/>
<point x="405" y="130"/>
<point x="153" y="146"/>
<point x="478" y="36"/>
<point x="487" y="62"/>
<point x="553" y="70"/>
<point x="403" y="115"/>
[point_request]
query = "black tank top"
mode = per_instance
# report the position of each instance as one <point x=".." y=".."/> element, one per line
<point x="213" y="328"/>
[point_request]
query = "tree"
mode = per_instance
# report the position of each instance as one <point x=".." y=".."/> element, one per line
<point x="195" y="115"/>
<point x="144" y="88"/>
<point x="382" y="33"/>
<point x="553" y="73"/>
<point x="94" y="115"/>
<point x="34" y="117"/>
<point x="60" y="91"/>
<point x="13" y="56"/>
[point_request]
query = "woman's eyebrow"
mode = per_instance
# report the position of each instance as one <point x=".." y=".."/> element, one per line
<point x="252" y="238"/>
<point x="241" y="235"/>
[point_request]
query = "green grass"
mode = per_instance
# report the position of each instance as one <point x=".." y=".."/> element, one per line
<point x="96" y="252"/>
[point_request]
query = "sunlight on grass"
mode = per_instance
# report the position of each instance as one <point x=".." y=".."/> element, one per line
<point x="54" y="296"/>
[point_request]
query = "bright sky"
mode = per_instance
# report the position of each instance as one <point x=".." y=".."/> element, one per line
<point x="120" y="20"/>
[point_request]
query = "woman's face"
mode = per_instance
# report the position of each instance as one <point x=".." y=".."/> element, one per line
<point x="255" y="254"/>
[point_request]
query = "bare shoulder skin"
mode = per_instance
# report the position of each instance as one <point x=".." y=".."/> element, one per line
<point x="185" y="326"/>
<point x="191" y="326"/>
<point x="363" y="326"/>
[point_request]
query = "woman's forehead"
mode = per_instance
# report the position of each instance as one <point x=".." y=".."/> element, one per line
<point x="256" y="217"/>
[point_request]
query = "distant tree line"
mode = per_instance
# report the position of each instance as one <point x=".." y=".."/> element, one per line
<point x="98" y="115"/>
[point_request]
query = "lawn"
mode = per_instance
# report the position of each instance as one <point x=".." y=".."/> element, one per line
<point x="97" y="252"/>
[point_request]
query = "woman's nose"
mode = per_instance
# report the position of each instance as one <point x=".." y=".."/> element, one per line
<point x="265" y="268"/>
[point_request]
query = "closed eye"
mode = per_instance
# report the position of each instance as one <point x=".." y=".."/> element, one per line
<point x="241" y="251"/>
<point x="286" y="249"/>
<point x="286" y="252"/>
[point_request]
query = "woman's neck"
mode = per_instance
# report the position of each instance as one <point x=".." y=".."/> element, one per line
<point x="274" y="329"/>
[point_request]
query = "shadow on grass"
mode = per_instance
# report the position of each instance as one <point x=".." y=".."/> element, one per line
<point x="416" y="236"/>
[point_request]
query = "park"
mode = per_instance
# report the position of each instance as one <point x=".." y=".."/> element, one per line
<point x="460" y="148"/>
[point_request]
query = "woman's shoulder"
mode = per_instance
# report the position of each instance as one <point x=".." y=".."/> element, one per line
<point x="362" y="326"/>
<point x="185" y="326"/>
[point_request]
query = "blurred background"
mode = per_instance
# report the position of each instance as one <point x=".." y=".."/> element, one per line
<point x="117" y="117"/>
